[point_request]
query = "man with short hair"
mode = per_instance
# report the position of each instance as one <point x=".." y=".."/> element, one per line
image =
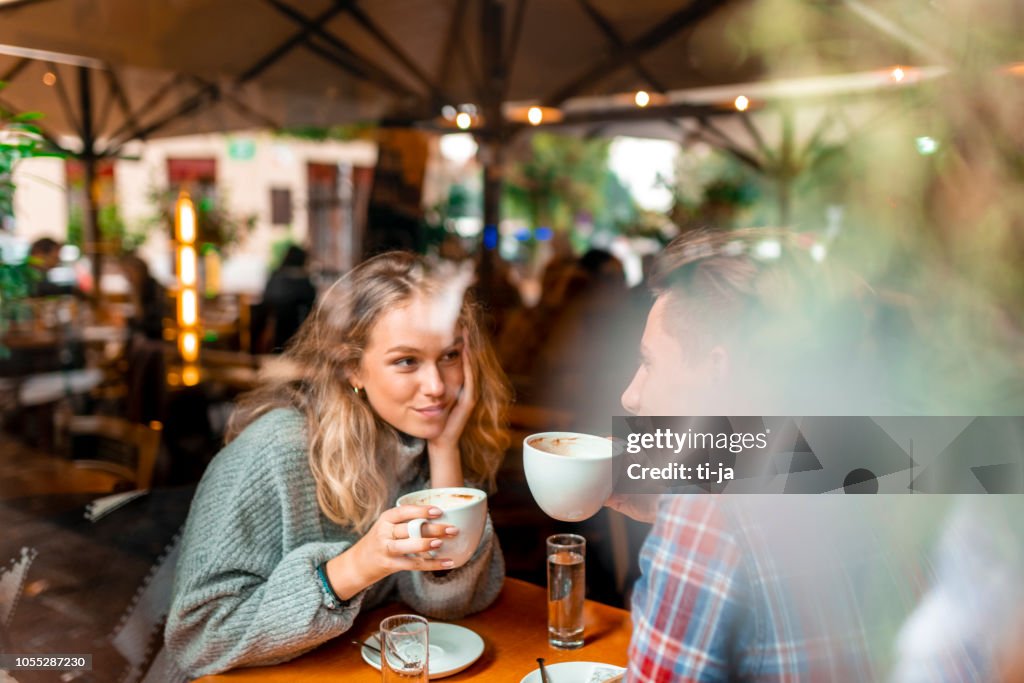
<point x="758" y="588"/>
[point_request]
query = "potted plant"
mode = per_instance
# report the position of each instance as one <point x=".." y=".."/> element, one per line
<point x="20" y="139"/>
<point x="216" y="226"/>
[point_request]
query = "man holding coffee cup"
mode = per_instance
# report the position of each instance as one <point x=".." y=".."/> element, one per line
<point x="787" y="588"/>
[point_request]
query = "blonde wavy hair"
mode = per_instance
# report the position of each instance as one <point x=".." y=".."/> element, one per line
<point x="352" y="451"/>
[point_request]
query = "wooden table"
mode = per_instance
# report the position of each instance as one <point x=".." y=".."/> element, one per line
<point x="26" y="471"/>
<point x="514" y="630"/>
<point x="47" y="387"/>
<point x="103" y="334"/>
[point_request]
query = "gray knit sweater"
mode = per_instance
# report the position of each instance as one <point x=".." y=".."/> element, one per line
<point x="247" y="591"/>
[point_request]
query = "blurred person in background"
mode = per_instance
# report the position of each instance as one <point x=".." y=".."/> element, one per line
<point x="580" y="323"/>
<point x="145" y="365"/>
<point x="778" y="588"/>
<point x="288" y="298"/>
<point x="44" y="256"/>
<point x="149" y="298"/>
<point x="389" y="387"/>
<point x="495" y="290"/>
<point x="586" y="330"/>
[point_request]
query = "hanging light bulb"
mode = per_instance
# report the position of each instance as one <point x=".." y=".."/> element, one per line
<point x="189" y="346"/>
<point x="185" y="219"/>
<point x="190" y="375"/>
<point x="187" y="266"/>
<point x="188" y="308"/>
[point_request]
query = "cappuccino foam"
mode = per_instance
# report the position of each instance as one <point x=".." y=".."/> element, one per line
<point x="446" y="501"/>
<point x="556" y="445"/>
<point x="572" y="446"/>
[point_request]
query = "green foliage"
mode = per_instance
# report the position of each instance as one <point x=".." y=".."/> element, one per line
<point x="15" y="286"/>
<point x="215" y="225"/>
<point x="731" y="192"/>
<point x="712" y="187"/>
<point x="112" y="228"/>
<point x="618" y="209"/>
<point x="19" y="139"/>
<point x="16" y="280"/>
<point x="463" y="202"/>
<point x="339" y="133"/>
<point x="563" y="177"/>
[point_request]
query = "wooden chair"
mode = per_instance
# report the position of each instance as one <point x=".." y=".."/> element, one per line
<point x="126" y="451"/>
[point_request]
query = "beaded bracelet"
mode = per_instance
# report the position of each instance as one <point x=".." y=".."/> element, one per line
<point x="328" y="590"/>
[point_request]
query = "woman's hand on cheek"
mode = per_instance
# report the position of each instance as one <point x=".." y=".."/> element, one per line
<point x="446" y="444"/>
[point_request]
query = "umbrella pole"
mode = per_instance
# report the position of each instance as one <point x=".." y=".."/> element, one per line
<point x="90" y="222"/>
<point x="492" y="138"/>
<point x="492" y="161"/>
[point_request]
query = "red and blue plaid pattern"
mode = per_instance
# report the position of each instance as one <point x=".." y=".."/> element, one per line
<point x="721" y="598"/>
<point x="802" y="589"/>
<point x="686" y="602"/>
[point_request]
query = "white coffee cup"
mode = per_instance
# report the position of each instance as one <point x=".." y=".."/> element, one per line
<point x="569" y="474"/>
<point x="464" y="508"/>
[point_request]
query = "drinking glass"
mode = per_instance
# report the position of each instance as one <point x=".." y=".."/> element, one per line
<point x="405" y="648"/>
<point x="566" y="588"/>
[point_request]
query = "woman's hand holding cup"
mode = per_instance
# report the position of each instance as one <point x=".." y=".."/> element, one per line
<point x="402" y="539"/>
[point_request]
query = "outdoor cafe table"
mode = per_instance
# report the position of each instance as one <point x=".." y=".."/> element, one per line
<point x="514" y="630"/>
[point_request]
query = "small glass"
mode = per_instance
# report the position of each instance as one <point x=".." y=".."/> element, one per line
<point x="405" y="648"/>
<point x="566" y="590"/>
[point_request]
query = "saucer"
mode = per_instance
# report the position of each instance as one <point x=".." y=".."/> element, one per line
<point x="452" y="649"/>
<point x="575" y="672"/>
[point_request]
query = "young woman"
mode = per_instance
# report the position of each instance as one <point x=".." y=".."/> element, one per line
<point x="390" y="387"/>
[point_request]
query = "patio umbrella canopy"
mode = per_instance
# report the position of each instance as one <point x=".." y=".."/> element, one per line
<point x="198" y="65"/>
<point x="110" y="71"/>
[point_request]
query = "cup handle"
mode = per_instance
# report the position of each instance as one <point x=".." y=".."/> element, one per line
<point x="416" y="531"/>
<point x="416" y="528"/>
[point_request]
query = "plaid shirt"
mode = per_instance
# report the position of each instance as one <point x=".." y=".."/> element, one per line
<point x="769" y="591"/>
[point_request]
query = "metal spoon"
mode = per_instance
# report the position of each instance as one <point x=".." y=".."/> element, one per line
<point x="367" y="646"/>
<point x="380" y="654"/>
<point x="543" y="672"/>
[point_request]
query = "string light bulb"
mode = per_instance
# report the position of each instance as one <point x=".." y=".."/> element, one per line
<point x="188" y="308"/>
<point x="190" y="375"/>
<point x="187" y="265"/>
<point x="189" y="346"/>
<point x="185" y="219"/>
